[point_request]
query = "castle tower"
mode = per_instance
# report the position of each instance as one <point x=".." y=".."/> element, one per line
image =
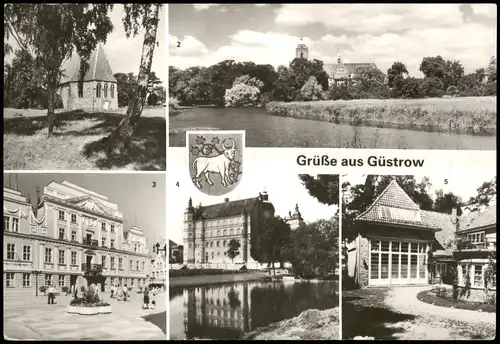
<point x="295" y="219"/>
<point x="189" y="234"/>
<point x="302" y="51"/>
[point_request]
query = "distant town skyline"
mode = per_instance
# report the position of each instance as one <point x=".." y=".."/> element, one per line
<point x="124" y="54"/>
<point x="205" y="34"/>
<point x="141" y="204"/>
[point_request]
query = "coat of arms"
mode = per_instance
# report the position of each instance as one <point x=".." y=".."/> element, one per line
<point x="215" y="159"/>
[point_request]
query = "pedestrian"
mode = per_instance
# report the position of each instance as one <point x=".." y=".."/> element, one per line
<point x="153" y="299"/>
<point x="146" y="299"/>
<point x="125" y="292"/>
<point x="112" y="290"/>
<point x="51" y="294"/>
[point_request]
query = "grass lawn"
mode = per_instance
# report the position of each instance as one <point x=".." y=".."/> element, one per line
<point x="429" y="296"/>
<point x="27" y="147"/>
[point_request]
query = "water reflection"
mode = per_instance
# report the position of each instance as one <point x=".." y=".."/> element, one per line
<point x="263" y="130"/>
<point x="229" y="311"/>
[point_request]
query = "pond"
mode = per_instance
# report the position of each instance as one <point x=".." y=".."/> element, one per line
<point x="229" y="311"/>
<point x="264" y="130"/>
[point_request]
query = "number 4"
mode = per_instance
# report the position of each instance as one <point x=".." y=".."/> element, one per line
<point x="177" y="184"/>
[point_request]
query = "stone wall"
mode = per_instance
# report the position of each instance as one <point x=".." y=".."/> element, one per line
<point x="364" y="261"/>
<point x="71" y="100"/>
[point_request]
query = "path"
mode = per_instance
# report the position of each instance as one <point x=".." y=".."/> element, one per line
<point x="396" y="313"/>
<point x="405" y="300"/>
<point x="29" y="317"/>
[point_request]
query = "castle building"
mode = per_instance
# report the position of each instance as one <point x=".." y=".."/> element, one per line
<point x="396" y="239"/>
<point x="209" y="229"/>
<point x="97" y="91"/>
<point x="72" y="236"/>
<point x="338" y="73"/>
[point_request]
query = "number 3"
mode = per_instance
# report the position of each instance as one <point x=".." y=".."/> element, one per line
<point x="154" y="184"/>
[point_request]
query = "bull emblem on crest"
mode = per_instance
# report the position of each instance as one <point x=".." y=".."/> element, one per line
<point x="218" y="153"/>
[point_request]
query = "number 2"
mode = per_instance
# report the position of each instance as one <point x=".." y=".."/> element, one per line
<point x="178" y="44"/>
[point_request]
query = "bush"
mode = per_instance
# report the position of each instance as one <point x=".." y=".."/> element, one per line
<point x="311" y="90"/>
<point x="473" y="115"/>
<point x="43" y="289"/>
<point x="241" y="95"/>
<point x="65" y="289"/>
<point x="201" y="272"/>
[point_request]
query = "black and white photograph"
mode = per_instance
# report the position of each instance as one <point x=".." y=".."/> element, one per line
<point x="395" y="76"/>
<point x="85" y="258"/>
<point x="419" y="256"/>
<point x="84" y="87"/>
<point x="260" y="262"/>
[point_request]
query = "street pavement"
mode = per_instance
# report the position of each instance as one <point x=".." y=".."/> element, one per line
<point x="29" y="317"/>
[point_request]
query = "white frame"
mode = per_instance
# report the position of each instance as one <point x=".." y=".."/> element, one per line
<point x="396" y="281"/>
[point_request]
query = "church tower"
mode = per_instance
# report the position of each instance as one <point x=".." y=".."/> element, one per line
<point x="302" y="51"/>
<point x="189" y="234"/>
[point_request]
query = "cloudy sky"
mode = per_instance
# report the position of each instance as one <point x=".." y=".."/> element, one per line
<point x="382" y="33"/>
<point x="463" y="184"/>
<point x="284" y="189"/>
<point x="140" y="203"/>
<point x="124" y="54"/>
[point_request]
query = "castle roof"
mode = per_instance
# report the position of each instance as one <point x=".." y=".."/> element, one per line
<point x="99" y="68"/>
<point x="230" y="208"/>
<point x="352" y="68"/>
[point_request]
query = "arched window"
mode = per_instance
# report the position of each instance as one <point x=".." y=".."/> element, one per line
<point x="230" y="232"/>
<point x="218" y="233"/>
<point x="225" y="232"/>
<point x="98" y="90"/>
<point x="112" y="90"/>
<point x="105" y="90"/>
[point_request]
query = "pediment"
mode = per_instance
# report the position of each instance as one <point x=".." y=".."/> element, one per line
<point x="92" y="204"/>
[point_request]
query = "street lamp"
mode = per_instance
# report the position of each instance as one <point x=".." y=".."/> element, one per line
<point x="36" y="273"/>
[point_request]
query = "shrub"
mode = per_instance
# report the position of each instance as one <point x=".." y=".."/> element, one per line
<point x="241" y="95"/>
<point x="311" y="90"/>
<point x="42" y="289"/>
<point x="441" y="292"/>
<point x="65" y="289"/>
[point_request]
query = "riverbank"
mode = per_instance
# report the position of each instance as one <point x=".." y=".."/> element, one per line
<point x="197" y="281"/>
<point x="312" y="324"/>
<point x="465" y="115"/>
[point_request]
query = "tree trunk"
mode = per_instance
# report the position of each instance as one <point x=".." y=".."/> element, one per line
<point x="120" y="137"/>
<point x="51" y="91"/>
<point x="274" y="271"/>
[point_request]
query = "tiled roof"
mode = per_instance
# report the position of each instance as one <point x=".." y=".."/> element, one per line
<point x="477" y="219"/>
<point x="351" y="67"/>
<point x="99" y="68"/>
<point x="230" y="208"/>
<point x="444" y="222"/>
<point x="394" y="206"/>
